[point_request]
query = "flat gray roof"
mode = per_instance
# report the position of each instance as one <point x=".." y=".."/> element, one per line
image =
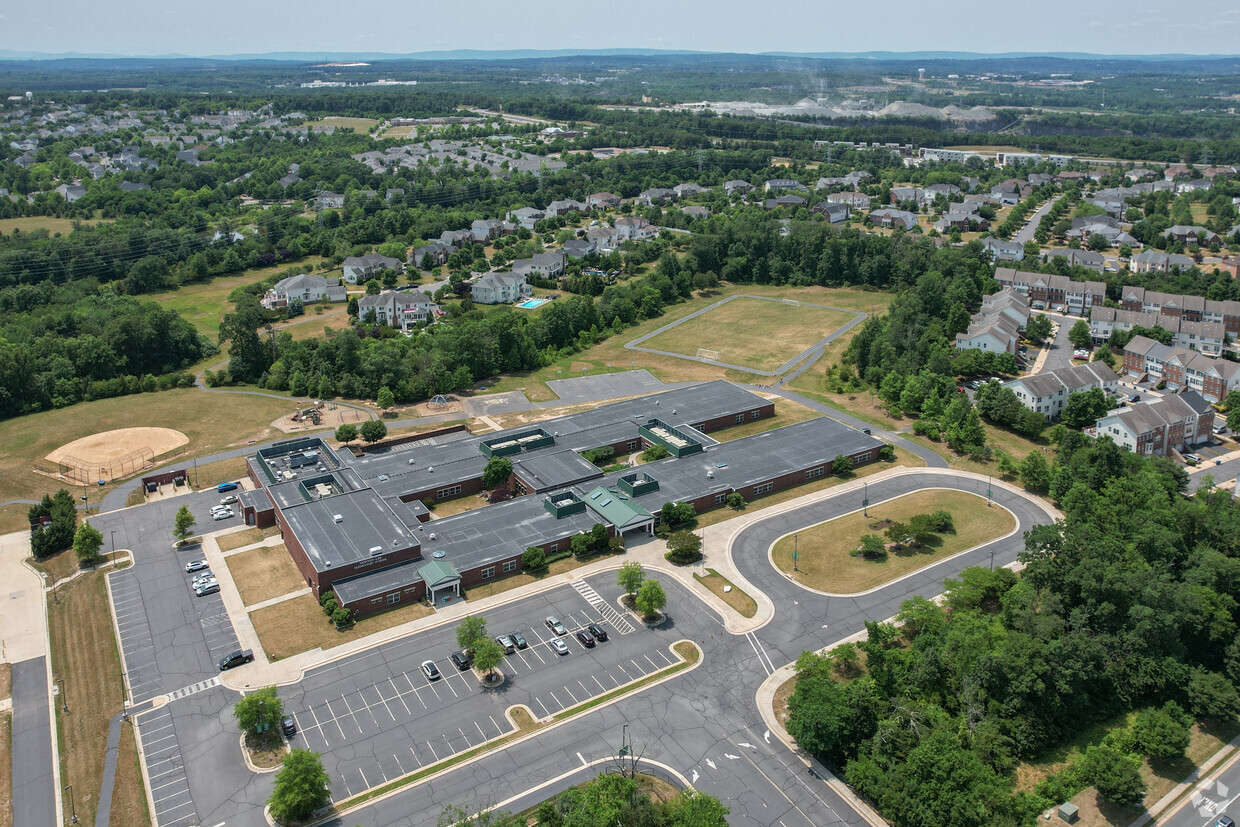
<point x="366" y="523"/>
<point x="378" y="582"/>
<point x="548" y="468"/>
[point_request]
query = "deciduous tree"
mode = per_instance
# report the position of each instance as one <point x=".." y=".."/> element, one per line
<point x="301" y="787"/>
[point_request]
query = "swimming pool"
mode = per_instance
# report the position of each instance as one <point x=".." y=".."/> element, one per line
<point x="530" y="304"/>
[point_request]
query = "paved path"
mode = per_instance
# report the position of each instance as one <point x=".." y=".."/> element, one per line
<point x="34" y="778"/>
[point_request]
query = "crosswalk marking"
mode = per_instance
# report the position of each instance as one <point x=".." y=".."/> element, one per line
<point x="194" y="689"/>
<point x="592" y="597"/>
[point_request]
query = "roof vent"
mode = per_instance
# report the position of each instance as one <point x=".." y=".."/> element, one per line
<point x="710" y="474"/>
<point x="430" y="469"/>
<point x="411" y="460"/>
<point x="337" y="518"/>
<point x="438" y="555"/>
<point x="327" y="564"/>
<point x="673" y="411"/>
<point x="657" y="402"/>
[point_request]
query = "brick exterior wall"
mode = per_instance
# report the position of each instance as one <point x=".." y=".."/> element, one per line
<point x="367" y="606"/>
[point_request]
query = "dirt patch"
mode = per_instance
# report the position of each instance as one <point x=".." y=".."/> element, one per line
<point x="105" y="447"/>
<point x="880" y="525"/>
<point x="330" y="416"/>
<point x="6" y="680"/>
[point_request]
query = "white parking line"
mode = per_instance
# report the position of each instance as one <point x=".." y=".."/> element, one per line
<point x="365" y="783"/>
<point x="653" y="665"/>
<point x="432" y="749"/>
<point x="554" y="698"/>
<point x="638" y="668"/>
<point x="620" y="666"/>
<point x="172" y="795"/>
<point x="415" y="756"/>
<point x="399" y="765"/>
<point x="480" y="732"/>
<point x="319" y="727"/>
<point x="600" y="685"/>
<point x="398" y="695"/>
<point x="385" y="705"/>
<point x="546" y="714"/>
<point x="449" y="685"/>
<point x="416" y="694"/>
<point x="570" y="694"/>
<point x="356" y="723"/>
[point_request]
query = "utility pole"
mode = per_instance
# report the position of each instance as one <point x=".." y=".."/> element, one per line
<point x="795" y="553"/>
<point x="700" y="156"/>
<point x="72" y="804"/>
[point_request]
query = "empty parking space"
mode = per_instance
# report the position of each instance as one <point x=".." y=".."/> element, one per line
<point x="137" y="646"/>
<point x="377" y="717"/>
<point x="166" y="769"/>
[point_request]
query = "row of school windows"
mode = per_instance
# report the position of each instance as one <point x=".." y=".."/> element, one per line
<point x="740" y="417"/>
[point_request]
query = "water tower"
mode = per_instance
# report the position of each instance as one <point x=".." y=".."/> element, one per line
<point x="921" y="74"/>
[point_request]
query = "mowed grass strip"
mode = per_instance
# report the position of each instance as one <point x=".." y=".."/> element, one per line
<point x="825" y="562"/>
<point x="85" y="656"/>
<point x="129" y="808"/>
<point x="248" y="537"/>
<point x="6" y="769"/>
<point x="298" y="625"/>
<point x="64" y="226"/>
<point x="752" y="333"/>
<point x="737" y="599"/>
<point x="264" y="573"/>
<point x="358" y="125"/>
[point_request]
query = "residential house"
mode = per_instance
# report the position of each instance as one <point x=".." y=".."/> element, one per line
<point x="1001" y="250"/>
<point x="785" y="200"/>
<point x="129" y="186"/>
<point x="543" y="265"/>
<point x="564" y="207"/>
<point x="992" y="333"/>
<point x="500" y="288"/>
<point x="834" y="213"/>
<point x="777" y="184"/>
<point x="603" y="200"/>
<point x="1194" y="234"/>
<point x="1206" y="337"/>
<point x="856" y="201"/>
<point x="604" y="238"/>
<point x="696" y="211"/>
<point x="899" y="195"/>
<point x="1191" y="308"/>
<point x="1232" y="265"/>
<point x="1053" y="291"/>
<point x="935" y="190"/>
<point x="579" y="248"/>
<point x="438" y="255"/>
<point x="457" y="238"/>
<point x="655" y="196"/>
<point x="305" y="288"/>
<point x="858" y="177"/>
<point x="361" y="269"/>
<point x="688" y="190"/>
<point x="1007" y="303"/>
<point x="394" y="194"/>
<point x="1146" y="359"/>
<point x="892" y="218"/>
<point x="634" y="228"/>
<point x="1011" y="191"/>
<point x="397" y="308"/>
<point x="1199" y="185"/>
<point x="71" y="192"/>
<point x="526" y="217"/>
<point x="1140" y="174"/>
<point x="736" y="185"/>
<point x="1155" y="429"/>
<point x="1047" y="393"/>
<point x="1147" y="261"/>
<point x="1076" y="258"/>
<point x="328" y="200"/>
<point x="964" y="217"/>
<point x="489" y="229"/>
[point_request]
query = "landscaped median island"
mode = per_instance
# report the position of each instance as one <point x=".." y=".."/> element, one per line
<point x="724" y="589"/>
<point x="825" y="551"/>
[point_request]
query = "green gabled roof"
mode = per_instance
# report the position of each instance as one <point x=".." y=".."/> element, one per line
<point x="616" y="507"/>
<point x="437" y="573"/>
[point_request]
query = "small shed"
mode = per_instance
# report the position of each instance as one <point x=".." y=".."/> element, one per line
<point x="1069" y="812"/>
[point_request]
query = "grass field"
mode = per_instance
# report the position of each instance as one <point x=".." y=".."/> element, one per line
<point x="299" y="625"/>
<point x="204" y="304"/>
<point x="212" y="422"/>
<point x="41" y="222"/>
<point x="129" y="808"/>
<point x="228" y="542"/>
<point x="737" y="599"/>
<point x="84" y="654"/>
<point x="264" y="573"/>
<point x="610" y="356"/>
<point x="358" y="125"/>
<point x="209" y="474"/>
<point x="825" y="563"/>
<point x="751" y="333"/>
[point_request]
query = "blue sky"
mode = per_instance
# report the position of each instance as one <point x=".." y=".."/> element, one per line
<point x="148" y="27"/>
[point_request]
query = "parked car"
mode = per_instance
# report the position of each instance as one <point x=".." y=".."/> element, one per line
<point x="1192" y="459"/>
<point x="1136" y="397"/>
<point x="229" y="500"/>
<point x="1220" y="429"/>
<point x="197" y="565"/>
<point x="587" y="639"/>
<point x="219" y="509"/>
<point x="598" y="631"/>
<point x="237" y="658"/>
<point x="506" y="644"/>
<point x="556" y="627"/>
<point x="461" y="660"/>
<point x="560" y="647"/>
<point x="204" y="578"/>
<point x="518" y="639"/>
<point x="226" y="486"/>
<point x="430" y="670"/>
<point x="222" y="515"/>
<point x="206" y="589"/>
<point x="288" y="725"/>
<point x="1225" y="821"/>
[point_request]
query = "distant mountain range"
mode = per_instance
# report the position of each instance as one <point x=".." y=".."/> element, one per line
<point x="524" y="54"/>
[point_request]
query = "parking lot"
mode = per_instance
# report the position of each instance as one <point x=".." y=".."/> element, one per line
<point x="169" y="784"/>
<point x="377" y="716"/>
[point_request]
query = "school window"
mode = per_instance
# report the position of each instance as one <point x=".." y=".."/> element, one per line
<point x="720" y="499"/>
<point x="765" y="488"/>
<point x="755" y="414"/>
<point x="511" y="565"/>
<point x="631" y="445"/>
<point x="740" y="417"/>
<point x="393" y="599"/>
<point x="814" y="473"/>
<point x="444" y="493"/>
<point x="554" y="548"/>
<point x="489" y="571"/>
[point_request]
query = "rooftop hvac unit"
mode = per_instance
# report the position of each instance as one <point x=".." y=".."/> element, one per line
<point x="327" y="564"/>
<point x="337" y="518"/>
<point x="710" y="473"/>
<point x="375" y="551"/>
<point x="432" y="535"/>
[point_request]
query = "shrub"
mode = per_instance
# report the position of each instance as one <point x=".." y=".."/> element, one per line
<point x="736" y="501"/>
<point x="533" y="559"/>
<point x="683" y="547"/>
<point x="342" y="617"/>
<point x="655" y="452"/>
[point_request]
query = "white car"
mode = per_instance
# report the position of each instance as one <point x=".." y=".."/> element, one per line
<point x="222" y="515"/>
<point x="229" y="500"/>
<point x="203" y="578"/>
<point x="196" y="565"/>
<point x="560" y="647"/>
<point x="216" y="509"/>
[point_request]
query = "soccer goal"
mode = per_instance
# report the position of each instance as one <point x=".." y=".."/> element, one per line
<point x="703" y="353"/>
<point x="792" y="302"/>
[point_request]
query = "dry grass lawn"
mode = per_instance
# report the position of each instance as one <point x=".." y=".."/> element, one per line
<point x="64" y="226"/>
<point x="825" y="562"/>
<point x="264" y="573"/>
<point x="211" y="474"/>
<point x="203" y="304"/>
<point x="6" y="769"/>
<point x="610" y="356"/>
<point x="84" y="654"/>
<point x="299" y="625"/>
<point x="6" y="680"/>
<point x="751" y="332"/>
<point x="129" y="808"/>
<point x="228" y="542"/>
<point x="737" y="599"/>
<point x="212" y="422"/>
<point x="504" y="584"/>
<point x="359" y="125"/>
<point x="458" y="505"/>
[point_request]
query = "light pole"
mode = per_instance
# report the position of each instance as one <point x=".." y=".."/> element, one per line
<point x="72" y="804"/>
<point x="795" y="553"/>
<point x="865" y="500"/>
<point x="64" y="699"/>
<point x="116" y="561"/>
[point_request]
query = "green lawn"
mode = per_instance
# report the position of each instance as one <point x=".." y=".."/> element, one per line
<point x="825" y="563"/>
<point x="751" y="332"/>
<point x="40" y="222"/>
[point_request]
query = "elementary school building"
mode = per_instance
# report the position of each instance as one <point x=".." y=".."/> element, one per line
<point x="356" y="522"/>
